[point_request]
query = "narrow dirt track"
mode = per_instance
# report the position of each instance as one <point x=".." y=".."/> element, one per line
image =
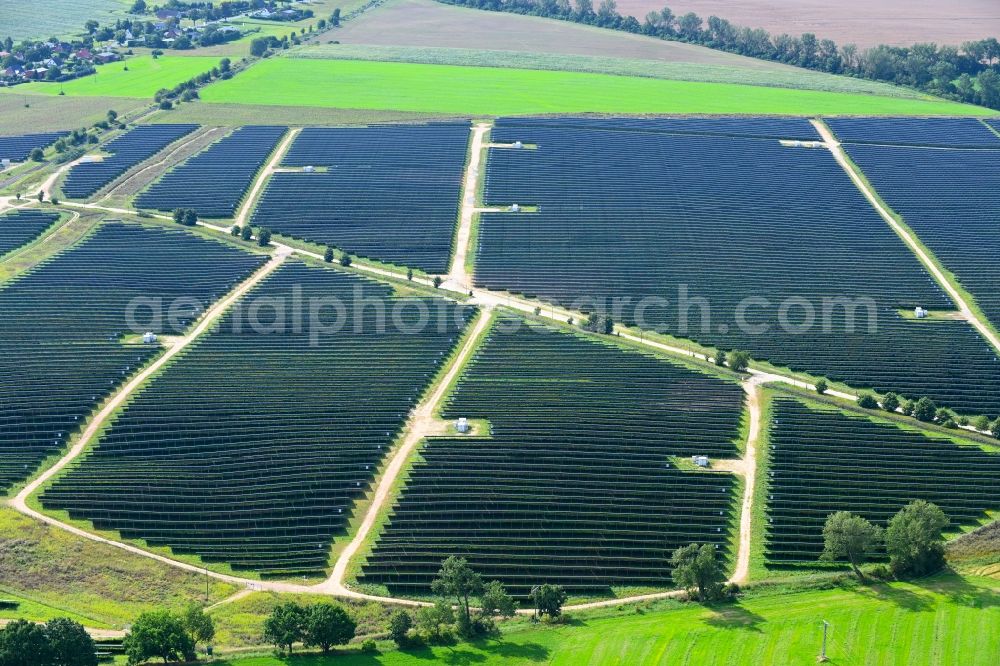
<point x="930" y="264"/>
<point x="422" y="423"/>
<point x="265" y="173"/>
<point x="19" y="501"/>
<point x="458" y="276"/>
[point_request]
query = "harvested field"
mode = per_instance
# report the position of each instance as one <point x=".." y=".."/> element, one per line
<point x="429" y="23"/>
<point x="897" y="22"/>
<point x="30" y="113"/>
<point x="238" y="115"/>
<point x="55" y="18"/>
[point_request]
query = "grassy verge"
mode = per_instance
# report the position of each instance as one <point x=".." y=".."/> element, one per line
<point x="57" y="574"/>
<point x="916" y="624"/>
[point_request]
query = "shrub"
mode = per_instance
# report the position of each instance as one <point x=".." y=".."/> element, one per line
<point x="328" y="255"/>
<point x="821" y="386"/>
<point x="867" y="401"/>
<point x="924" y="410"/>
<point x="890" y="402"/>
<point x="739" y="361"/>
<point x="400" y="624"/>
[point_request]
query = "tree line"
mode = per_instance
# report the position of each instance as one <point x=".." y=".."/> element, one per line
<point x="968" y="73"/>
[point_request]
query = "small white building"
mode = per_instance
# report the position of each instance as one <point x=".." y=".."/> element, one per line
<point x="462" y="425"/>
<point x="518" y="144"/>
<point x="700" y="461"/>
<point x="309" y="169"/>
<point x="920" y="313"/>
<point x="514" y="208"/>
<point x="149" y="338"/>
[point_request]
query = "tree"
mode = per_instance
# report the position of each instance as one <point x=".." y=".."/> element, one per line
<point x="494" y="601"/>
<point x="456" y="579"/>
<point x="166" y="105"/>
<point x="549" y="599"/>
<point x="235" y="230"/>
<point x="70" y="643"/>
<point x="890" y="402"/>
<point x="198" y="624"/>
<point x="409" y="274"/>
<point x="848" y="535"/>
<point x="335" y="18"/>
<point x="696" y="570"/>
<point x="247" y="232"/>
<point x="914" y="539"/>
<point x="399" y="625"/>
<point x="345" y="259"/>
<point x="328" y="255"/>
<point x="437" y="281"/>
<point x="982" y="423"/>
<point x="995" y="428"/>
<point x="259" y="46"/>
<point x="867" y="401"/>
<point x="924" y="410"/>
<point x="264" y="237"/>
<point x="599" y="323"/>
<point x="720" y="358"/>
<point x="225" y="65"/>
<point x="139" y="7"/>
<point x="285" y="625"/>
<point x="327" y="625"/>
<point x="190" y="217"/>
<point x="432" y="619"/>
<point x="91" y="26"/>
<point x="37" y="155"/>
<point x="41" y="196"/>
<point x="24" y="643"/>
<point x="158" y="634"/>
<point x="821" y="386"/>
<point x="738" y="361"/>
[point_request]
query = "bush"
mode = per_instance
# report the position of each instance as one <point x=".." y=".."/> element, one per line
<point x="821" y="386"/>
<point x="345" y="260"/>
<point x="400" y="624"/>
<point x="890" y="402"/>
<point x="166" y="105"/>
<point x="37" y="155"/>
<point x="369" y="646"/>
<point x="739" y="361"/>
<point x="867" y="401"/>
<point x="328" y="255"/>
<point x="247" y="232"/>
<point x="925" y="410"/>
<point x="264" y="237"/>
<point x="720" y="358"/>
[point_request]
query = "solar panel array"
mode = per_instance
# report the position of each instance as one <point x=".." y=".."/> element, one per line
<point x="938" y="132"/>
<point x="677" y="232"/>
<point x="18" y="148"/>
<point x="60" y="348"/>
<point x="823" y="461"/>
<point x="574" y="484"/>
<point x="20" y="227"/>
<point x="214" y="182"/>
<point x="135" y="146"/>
<point x="253" y="445"/>
<point x="951" y="199"/>
<point x="509" y="130"/>
<point x="391" y="193"/>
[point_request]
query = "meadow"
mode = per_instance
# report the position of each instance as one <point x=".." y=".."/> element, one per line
<point x="140" y="76"/>
<point x="880" y="625"/>
<point x="25" y="114"/>
<point x="493" y="91"/>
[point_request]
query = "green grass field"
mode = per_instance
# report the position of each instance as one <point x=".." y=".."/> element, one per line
<point x="493" y="91"/>
<point x="944" y="620"/>
<point x="784" y="77"/>
<point x="143" y="78"/>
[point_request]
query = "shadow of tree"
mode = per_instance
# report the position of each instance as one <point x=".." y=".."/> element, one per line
<point x="960" y="591"/>
<point x="902" y="597"/>
<point x="734" y="617"/>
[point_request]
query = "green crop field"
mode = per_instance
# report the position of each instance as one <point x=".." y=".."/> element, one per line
<point x="944" y="620"/>
<point x="141" y="76"/>
<point x="491" y="91"/>
<point x="55" y="18"/>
